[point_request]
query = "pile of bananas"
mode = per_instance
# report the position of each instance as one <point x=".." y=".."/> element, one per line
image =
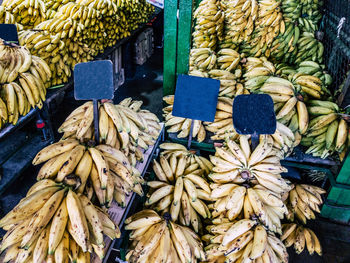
<point x="101" y="170"/>
<point x="54" y="223"/>
<point x="239" y="21"/>
<point x="291" y="10"/>
<point x="28" y="13"/>
<point x="124" y="126"/>
<point x="179" y="188"/>
<point x="316" y="70"/>
<point x="308" y="24"/>
<point x="77" y="31"/>
<point x="311" y="10"/>
<point x="157" y="239"/>
<point x="309" y="48"/>
<point x="301" y="237"/>
<point x="328" y="131"/>
<point x="209" y="25"/>
<point x="23" y="78"/>
<point x="7" y="18"/>
<point x="180" y="125"/>
<point x="202" y="59"/>
<point x="304" y="200"/>
<point x="242" y="241"/>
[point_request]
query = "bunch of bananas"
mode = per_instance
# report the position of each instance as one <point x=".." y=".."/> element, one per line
<point x="291" y="10"/>
<point x="54" y="5"/>
<point x="101" y="170"/>
<point x="289" y="109"/>
<point x="301" y="237"/>
<point x="308" y="85"/>
<point x="238" y="161"/>
<point x="23" y="78"/>
<point x="239" y="21"/>
<point x="257" y="67"/>
<point x="309" y="48"/>
<point x="180" y="125"/>
<point x="311" y="10"/>
<point x="229" y="85"/>
<point x="308" y="24"/>
<point x="242" y="241"/>
<point x="209" y="24"/>
<point x="328" y="131"/>
<point x="125" y="127"/>
<point x="316" y="70"/>
<point x="155" y="239"/>
<point x="232" y="201"/>
<point x="284" y="47"/>
<point x="28" y="13"/>
<point x="54" y="223"/>
<point x="228" y="59"/>
<point x="7" y="18"/>
<point x="180" y="187"/>
<point x="304" y="200"/>
<point x="202" y="59"/>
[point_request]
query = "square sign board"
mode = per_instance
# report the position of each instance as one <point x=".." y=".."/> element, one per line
<point x="94" y="80"/>
<point x="254" y="114"/>
<point x="8" y="32"/>
<point x="196" y="98"/>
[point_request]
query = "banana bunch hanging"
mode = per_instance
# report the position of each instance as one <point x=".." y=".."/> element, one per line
<point x="239" y="21"/>
<point x="28" y="13"/>
<point x="242" y="241"/>
<point x="301" y="237"/>
<point x="179" y="125"/>
<point x="125" y="127"/>
<point x="304" y="200"/>
<point x="328" y="131"/>
<point x="23" y="78"/>
<point x="102" y="171"/>
<point x="209" y="24"/>
<point x="53" y="223"/>
<point x="157" y="239"/>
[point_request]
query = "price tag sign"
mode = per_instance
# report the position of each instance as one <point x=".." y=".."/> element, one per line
<point x="254" y="114"/>
<point x="157" y="3"/>
<point x="196" y="98"/>
<point x="94" y="80"/>
<point x="8" y="32"/>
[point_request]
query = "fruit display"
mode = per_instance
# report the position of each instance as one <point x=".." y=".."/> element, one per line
<point x="209" y="24"/>
<point x="28" y="13"/>
<point x="328" y="131"/>
<point x="244" y="240"/>
<point x="24" y="78"/>
<point x="54" y="223"/>
<point x="158" y="239"/>
<point x="181" y="125"/>
<point x="304" y="200"/>
<point x="180" y="188"/>
<point x="76" y="32"/>
<point x="301" y="237"/>
<point x="125" y="127"/>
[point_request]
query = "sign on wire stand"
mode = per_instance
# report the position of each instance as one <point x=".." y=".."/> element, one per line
<point x="94" y="81"/>
<point x="8" y="32"/>
<point x="196" y="98"/>
<point x="254" y="115"/>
